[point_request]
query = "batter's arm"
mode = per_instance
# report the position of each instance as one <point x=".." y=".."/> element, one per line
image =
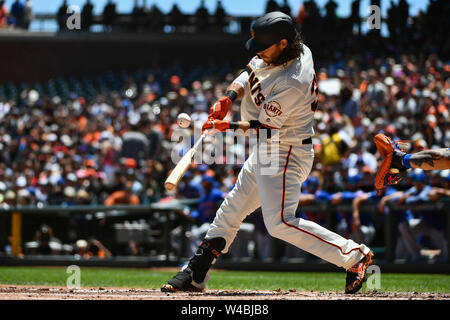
<point x="239" y="84"/>
<point x="237" y="89"/>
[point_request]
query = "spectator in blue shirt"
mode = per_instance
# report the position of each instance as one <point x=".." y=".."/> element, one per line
<point x="209" y="202"/>
<point x="311" y="193"/>
<point x="422" y="224"/>
<point x="362" y="228"/>
<point x="429" y="223"/>
<point x="207" y="206"/>
<point x="188" y="188"/>
<point x="18" y="12"/>
<point x="344" y="218"/>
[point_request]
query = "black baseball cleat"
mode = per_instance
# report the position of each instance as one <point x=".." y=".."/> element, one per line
<point x="181" y="282"/>
<point x="357" y="274"/>
<point x="204" y="257"/>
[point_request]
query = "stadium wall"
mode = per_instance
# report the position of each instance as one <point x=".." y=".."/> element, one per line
<point x="33" y="57"/>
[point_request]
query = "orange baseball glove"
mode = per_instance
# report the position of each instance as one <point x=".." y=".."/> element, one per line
<point x="391" y="170"/>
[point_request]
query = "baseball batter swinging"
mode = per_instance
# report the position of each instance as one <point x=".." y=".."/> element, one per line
<point x="279" y="93"/>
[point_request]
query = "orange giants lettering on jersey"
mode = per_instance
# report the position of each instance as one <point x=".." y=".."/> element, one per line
<point x="272" y="109"/>
<point x="255" y="88"/>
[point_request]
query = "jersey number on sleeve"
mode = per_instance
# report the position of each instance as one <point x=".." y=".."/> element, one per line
<point x="314" y="91"/>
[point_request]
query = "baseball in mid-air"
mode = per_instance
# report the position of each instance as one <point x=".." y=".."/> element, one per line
<point x="184" y="120"/>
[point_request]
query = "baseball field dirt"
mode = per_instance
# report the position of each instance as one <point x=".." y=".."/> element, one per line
<point x="55" y="283"/>
<point x="26" y="292"/>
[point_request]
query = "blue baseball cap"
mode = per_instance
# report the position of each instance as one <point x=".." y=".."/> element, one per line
<point x="418" y="176"/>
<point x="207" y="178"/>
<point x="312" y="182"/>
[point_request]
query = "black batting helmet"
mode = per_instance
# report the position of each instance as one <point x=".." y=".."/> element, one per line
<point x="270" y="29"/>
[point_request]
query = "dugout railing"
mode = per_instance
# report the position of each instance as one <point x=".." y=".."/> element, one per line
<point x="175" y="214"/>
<point x="169" y="214"/>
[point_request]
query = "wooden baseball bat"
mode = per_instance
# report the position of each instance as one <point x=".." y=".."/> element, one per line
<point x="180" y="169"/>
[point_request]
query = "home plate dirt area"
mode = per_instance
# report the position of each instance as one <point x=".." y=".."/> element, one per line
<point x="17" y="292"/>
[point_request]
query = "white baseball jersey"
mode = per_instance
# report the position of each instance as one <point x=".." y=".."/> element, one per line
<point x="281" y="97"/>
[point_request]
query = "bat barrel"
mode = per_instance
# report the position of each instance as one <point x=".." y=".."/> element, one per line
<point x="169" y="186"/>
<point x="182" y="166"/>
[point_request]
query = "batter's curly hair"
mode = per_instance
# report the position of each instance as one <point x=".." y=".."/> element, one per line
<point x="293" y="50"/>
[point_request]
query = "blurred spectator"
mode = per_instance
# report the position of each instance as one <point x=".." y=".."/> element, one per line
<point x="428" y="223"/>
<point x="403" y="14"/>
<point x="109" y="16"/>
<point x="286" y="8"/>
<point x="362" y="228"/>
<point x="413" y="226"/>
<point x="123" y="197"/>
<point x="18" y="12"/>
<point x="135" y="144"/>
<point x="24" y="198"/>
<point x="145" y="16"/>
<point x="220" y="17"/>
<point x="309" y="19"/>
<point x="151" y="187"/>
<point x="176" y="18"/>
<point x="209" y="201"/>
<point x="271" y="5"/>
<point x="359" y="159"/>
<point x="350" y="106"/>
<point x="87" y="16"/>
<point x="262" y="239"/>
<point x="207" y="206"/>
<point x="156" y="19"/>
<point x="28" y="14"/>
<point x="83" y="197"/>
<point x="187" y="188"/>
<point x="202" y="18"/>
<point x="313" y="193"/>
<point x="44" y="242"/>
<point x="9" y="199"/>
<point x="355" y="19"/>
<point x="138" y="16"/>
<point x="62" y="15"/>
<point x="155" y="139"/>
<point x="347" y="196"/>
<point x="392" y="21"/>
<point x="330" y="21"/>
<point x="69" y="196"/>
<point x="3" y="14"/>
<point x="335" y="142"/>
<point x="89" y="249"/>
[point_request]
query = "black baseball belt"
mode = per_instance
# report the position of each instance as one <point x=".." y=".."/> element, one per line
<point x="307" y="141"/>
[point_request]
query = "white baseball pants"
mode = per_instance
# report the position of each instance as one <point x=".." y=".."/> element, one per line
<point x="278" y="194"/>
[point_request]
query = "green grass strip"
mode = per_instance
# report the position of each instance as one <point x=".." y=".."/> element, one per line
<point x="240" y="280"/>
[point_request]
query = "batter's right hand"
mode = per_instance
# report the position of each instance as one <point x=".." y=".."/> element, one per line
<point x="220" y="109"/>
<point x="215" y="125"/>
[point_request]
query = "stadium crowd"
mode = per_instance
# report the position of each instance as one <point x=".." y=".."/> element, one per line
<point x="114" y="146"/>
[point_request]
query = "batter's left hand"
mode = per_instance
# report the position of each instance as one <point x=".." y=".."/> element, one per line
<point x="215" y="124"/>
<point x="220" y="109"/>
